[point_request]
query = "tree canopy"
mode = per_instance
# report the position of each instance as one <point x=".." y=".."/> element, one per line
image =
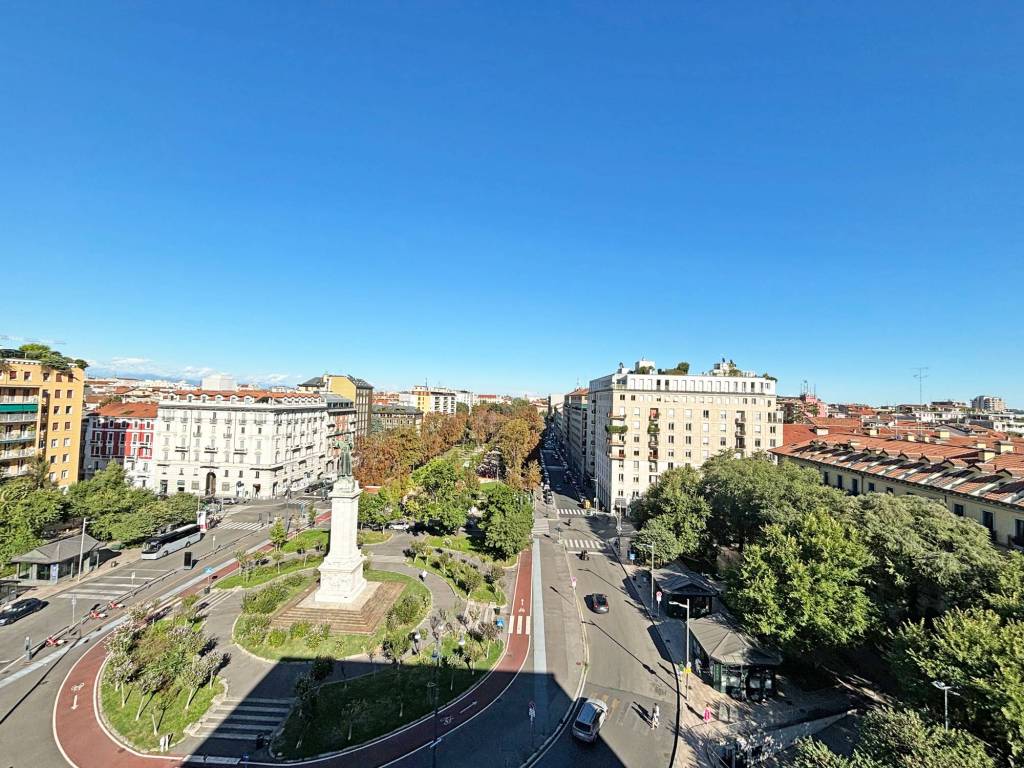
<point x="507" y="520"/>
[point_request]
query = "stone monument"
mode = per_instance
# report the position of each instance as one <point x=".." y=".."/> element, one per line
<point x="342" y="584"/>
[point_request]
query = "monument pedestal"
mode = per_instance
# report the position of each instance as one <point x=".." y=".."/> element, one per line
<point x="342" y="583"/>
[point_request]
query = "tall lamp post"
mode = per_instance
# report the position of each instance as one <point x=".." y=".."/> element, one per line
<point x="652" y="574"/>
<point x="946" y="690"/>
<point x="81" y="549"/>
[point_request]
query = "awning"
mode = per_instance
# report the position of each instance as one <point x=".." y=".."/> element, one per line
<point x="58" y="551"/>
<point x="725" y="642"/>
<point x="675" y="578"/>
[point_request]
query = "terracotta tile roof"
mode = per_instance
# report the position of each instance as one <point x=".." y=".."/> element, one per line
<point x="127" y="410"/>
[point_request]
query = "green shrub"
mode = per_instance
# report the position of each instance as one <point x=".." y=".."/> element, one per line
<point x="321" y="668"/>
<point x="407" y="608"/>
<point x="252" y="629"/>
<point x="317" y="635"/>
<point x="276" y="638"/>
<point x="265" y="600"/>
<point x="299" y="629"/>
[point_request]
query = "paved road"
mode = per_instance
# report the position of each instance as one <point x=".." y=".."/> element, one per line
<point x="627" y="669"/>
<point x="27" y="691"/>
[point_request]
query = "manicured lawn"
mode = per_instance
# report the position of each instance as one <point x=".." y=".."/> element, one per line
<point x="265" y="573"/>
<point x="174" y="720"/>
<point x="337" y="645"/>
<point x="382" y="702"/>
<point x="307" y="540"/>
<point x="367" y="538"/>
<point x="469" y="546"/>
<point x="485" y="593"/>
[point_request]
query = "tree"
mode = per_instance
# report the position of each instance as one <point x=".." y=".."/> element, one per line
<point x="278" y="535"/>
<point x="532" y="477"/>
<point x="676" y="499"/>
<point x="194" y="676"/>
<point x="25" y="514"/>
<point x="472" y="653"/>
<point x="895" y="738"/>
<point x="374" y="510"/>
<point x="980" y="655"/>
<point x="353" y="711"/>
<point x="1007" y="597"/>
<point x="515" y="441"/>
<point x="681" y="369"/>
<point x="243" y="559"/>
<point x="657" y="531"/>
<point x="276" y="557"/>
<point x="923" y="555"/>
<point x="122" y="671"/>
<point x="507" y="535"/>
<point x="151" y="681"/>
<point x="470" y="578"/>
<point x="748" y="493"/>
<point x="803" y="585"/>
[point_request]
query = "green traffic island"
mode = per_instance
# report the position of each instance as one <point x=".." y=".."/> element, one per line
<point x="254" y="630"/>
<point x="469" y="545"/>
<point x="252" y="573"/>
<point x="465" y="578"/>
<point x="336" y="716"/>
<point x="366" y="537"/>
<point x="159" y="678"/>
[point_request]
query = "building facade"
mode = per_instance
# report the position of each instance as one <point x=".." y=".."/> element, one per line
<point x="988" y="403"/>
<point x="392" y="416"/>
<point x="40" y="414"/>
<point x="257" y="445"/>
<point x="121" y="432"/>
<point x="974" y="477"/>
<point x="429" y="400"/>
<point x="341" y="429"/>
<point x="574" y="412"/>
<point x="645" y="423"/>
<point x="359" y="391"/>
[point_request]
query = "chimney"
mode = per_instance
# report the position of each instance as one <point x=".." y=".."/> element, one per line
<point x="979" y="444"/>
<point x="1004" y="446"/>
<point x="854" y="445"/>
<point x="911" y="437"/>
<point x="821" y="431"/>
<point x="943" y="433"/>
<point x="872" y="431"/>
<point x="986" y="454"/>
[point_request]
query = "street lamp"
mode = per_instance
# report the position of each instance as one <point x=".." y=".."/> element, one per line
<point x="946" y="690"/>
<point x="652" y="574"/>
<point x="435" y="686"/>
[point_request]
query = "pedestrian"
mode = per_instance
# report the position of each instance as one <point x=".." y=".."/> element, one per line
<point x="707" y="714"/>
<point x="423" y="576"/>
<point x="655" y="717"/>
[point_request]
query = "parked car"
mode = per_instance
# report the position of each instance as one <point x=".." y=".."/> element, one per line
<point x="400" y="525"/>
<point x="589" y="720"/>
<point x="599" y="603"/>
<point x="19" y="609"/>
<point x="228" y="501"/>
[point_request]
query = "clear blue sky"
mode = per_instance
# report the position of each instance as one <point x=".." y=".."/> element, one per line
<point x="511" y="196"/>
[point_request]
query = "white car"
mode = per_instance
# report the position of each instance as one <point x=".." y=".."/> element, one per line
<point x="400" y="525"/>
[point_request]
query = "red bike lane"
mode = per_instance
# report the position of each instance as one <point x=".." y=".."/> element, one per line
<point x="85" y="742"/>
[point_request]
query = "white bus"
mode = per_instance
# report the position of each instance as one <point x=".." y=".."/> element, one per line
<point x="165" y="543"/>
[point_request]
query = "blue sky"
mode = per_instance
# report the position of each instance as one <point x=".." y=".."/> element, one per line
<point x="515" y="196"/>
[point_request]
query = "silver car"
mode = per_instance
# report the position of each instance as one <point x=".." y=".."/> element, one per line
<point x="589" y="720"/>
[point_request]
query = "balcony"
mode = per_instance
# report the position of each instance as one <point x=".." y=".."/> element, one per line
<point x="18" y="418"/>
<point x="615" y="429"/>
<point x="617" y="455"/>
<point x="652" y="455"/>
<point x="617" y="441"/>
<point x="210" y="449"/>
<point x="655" y="414"/>
<point x="24" y="453"/>
<point x="19" y="400"/>
<point x="7" y="474"/>
<point x="653" y="428"/>
<point x="616" y="415"/>
<point x="17" y="437"/>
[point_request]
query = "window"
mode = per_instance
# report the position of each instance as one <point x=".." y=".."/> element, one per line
<point x="839" y="482"/>
<point x="854" y="486"/>
<point x="64" y="458"/>
<point x="988" y="520"/>
<point x="56" y="392"/>
<point x="871" y="487"/>
<point x="889" y="490"/>
<point x="70" y="394"/>
<point x="827" y="481"/>
<point x="53" y="443"/>
<point x="958" y="510"/>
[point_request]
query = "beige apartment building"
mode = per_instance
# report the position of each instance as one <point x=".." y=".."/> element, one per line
<point x="981" y="478"/>
<point x="578" y="451"/>
<point x="645" y="422"/>
<point x="40" y="413"/>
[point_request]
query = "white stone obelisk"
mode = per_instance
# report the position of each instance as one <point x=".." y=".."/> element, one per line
<point x="341" y="573"/>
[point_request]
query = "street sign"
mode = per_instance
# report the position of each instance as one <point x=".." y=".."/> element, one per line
<point x="657" y="596"/>
<point x="632" y="556"/>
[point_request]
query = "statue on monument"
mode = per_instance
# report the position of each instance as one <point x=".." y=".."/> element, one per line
<point x="345" y="461"/>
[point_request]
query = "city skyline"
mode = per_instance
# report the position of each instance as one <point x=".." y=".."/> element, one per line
<point x="462" y="195"/>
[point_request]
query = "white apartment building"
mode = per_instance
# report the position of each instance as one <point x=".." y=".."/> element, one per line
<point x="645" y="422"/>
<point x="245" y="444"/>
<point x="988" y="403"/>
<point x="429" y="400"/>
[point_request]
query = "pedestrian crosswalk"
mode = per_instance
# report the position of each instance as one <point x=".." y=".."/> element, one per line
<point x="519" y="624"/>
<point x="591" y="545"/>
<point x="239" y="525"/>
<point x="242" y="719"/>
<point x="107" y="588"/>
<point x="541" y="526"/>
<point x="572" y="511"/>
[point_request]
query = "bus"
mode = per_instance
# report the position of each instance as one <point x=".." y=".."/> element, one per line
<point x="172" y="541"/>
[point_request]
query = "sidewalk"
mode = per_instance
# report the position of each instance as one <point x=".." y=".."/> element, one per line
<point x="729" y="716"/>
<point x="124" y="557"/>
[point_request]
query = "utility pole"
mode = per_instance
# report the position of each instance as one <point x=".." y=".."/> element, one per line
<point x="921" y="375"/>
<point x="652" y="574"/>
<point x="81" y="549"/>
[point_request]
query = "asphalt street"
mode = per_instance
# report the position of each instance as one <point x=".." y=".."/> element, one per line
<point x="627" y="669"/>
<point x="27" y="689"/>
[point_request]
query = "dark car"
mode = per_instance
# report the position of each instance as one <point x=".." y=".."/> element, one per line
<point x="20" y="609"/>
<point x="599" y="603"/>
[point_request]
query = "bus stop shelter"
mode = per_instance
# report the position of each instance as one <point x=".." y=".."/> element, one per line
<point x="681" y="587"/>
<point x="730" y="660"/>
<point x="50" y="563"/>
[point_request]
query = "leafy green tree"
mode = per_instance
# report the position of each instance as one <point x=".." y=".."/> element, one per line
<point x="980" y="655"/>
<point x="278" y="535"/>
<point x="802" y="586"/>
<point x="507" y="520"/>
<point x="676" y="500"/>
<point x="1007" y="596"/>
<point x="748" y="493"/>
<point x="374" y="510"/>
<point x="923" y="555"/>
<point x="900" y="738"/>
<point x="25" y="514"/>
<point x="657" y="531"/>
